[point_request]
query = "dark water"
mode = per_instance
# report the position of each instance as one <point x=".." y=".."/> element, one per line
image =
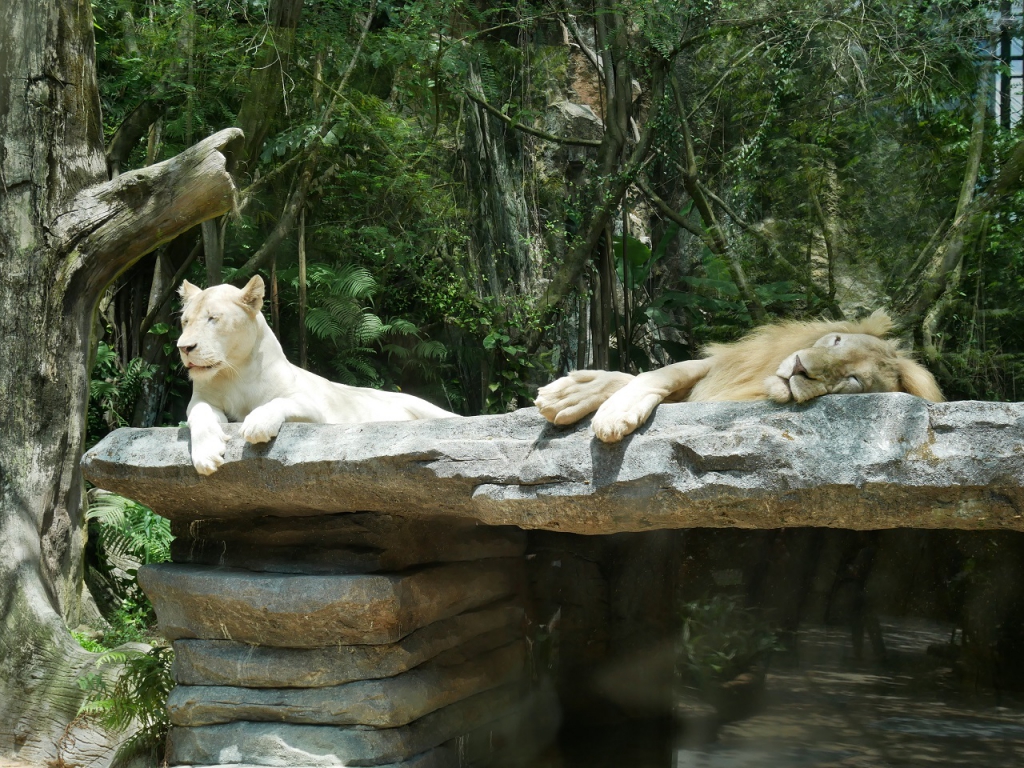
<point x="824" y="708"/>
<point x="888" y="648"/>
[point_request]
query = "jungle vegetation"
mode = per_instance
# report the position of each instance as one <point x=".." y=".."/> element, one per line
<point x="462" y="200"/>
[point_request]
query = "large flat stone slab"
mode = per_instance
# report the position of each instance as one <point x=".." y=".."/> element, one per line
<point x="863" y="461"/>
<point x="286" y="744"/>
<point x="513" y="738"/>
<point x="383" y="703"/>
<point x="347" y="543"/>
<point x="301" y="611"/>
<point x="222" y="662"/>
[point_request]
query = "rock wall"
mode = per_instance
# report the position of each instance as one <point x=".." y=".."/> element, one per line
<point x="356" y="639"/>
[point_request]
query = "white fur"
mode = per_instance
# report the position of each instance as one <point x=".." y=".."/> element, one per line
<point x="239" y="373"/>
<point x="817" y="358"/>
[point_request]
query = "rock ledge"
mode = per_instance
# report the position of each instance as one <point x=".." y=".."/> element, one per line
<point x="866" y="461"/>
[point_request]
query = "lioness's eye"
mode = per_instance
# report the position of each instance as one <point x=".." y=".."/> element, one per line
<point x="214" y="318"/>
<point x="855" y="380"/>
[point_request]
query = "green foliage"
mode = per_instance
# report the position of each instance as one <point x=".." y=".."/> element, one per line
<point x="130" y="530"/>
<point x="805" y="118"/>
<point x="123" y="536"/>
<point x="721" y="639"/>
<point x="136" y="698"/>
<point x="354" y="338"/>
<point x="113" y="390"/>
<point x="128" y="691"/>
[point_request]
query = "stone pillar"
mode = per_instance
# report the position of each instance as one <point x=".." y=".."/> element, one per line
<point x="352" y="639"/>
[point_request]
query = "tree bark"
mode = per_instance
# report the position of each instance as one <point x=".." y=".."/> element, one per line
<point x="266" y="80"/>
<point x="65" y="233"/>
<point x="303" y="362"/>
<point x="949" y="250"/>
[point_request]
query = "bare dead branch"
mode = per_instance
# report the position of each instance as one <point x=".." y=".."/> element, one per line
<point x="108" y="226"/>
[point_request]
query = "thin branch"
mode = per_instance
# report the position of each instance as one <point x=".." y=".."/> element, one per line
<point x="297" y="199"/>
<point x="570" y="24"/>
<point x="528" y="129"/>
<point x="794" y="272"/>
<point x="826" y="234"/>
<point x="609" y="198"/>
<point x="667" y="211"/>
<point x="949" y="251"/>
<point x="732" y="68"/>
<point x="722" y="24"/>
<point x="719" y="245"/>
<point x="246" y="195"/>
<point x="168" y="291"/>
<point x="130" y="131"/>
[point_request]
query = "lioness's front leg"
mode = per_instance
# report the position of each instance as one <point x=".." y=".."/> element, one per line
<point x="570" y="398"/>
<point x="632" y="405"/>
<point x="208" y="436"/>
<point x="264" y="422"/>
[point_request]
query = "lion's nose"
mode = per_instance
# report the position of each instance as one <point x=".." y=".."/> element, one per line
<point x="798" y="367"/>
<point x="186" y="348"/>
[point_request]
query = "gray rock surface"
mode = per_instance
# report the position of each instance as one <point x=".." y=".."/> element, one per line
<point x="222" y="662"/>
<point x="286" y="744"/>
<point x="346" y="543"/>
<point x="300" y="611"/>
<point x="513" y="738"/>
<point x="865" y="461"/>
<point x="384" y="703"/>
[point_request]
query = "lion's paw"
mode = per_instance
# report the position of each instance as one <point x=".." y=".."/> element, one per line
<point x="805" y="389"/>
<point x="262" y="425"/>
<point x="570" y="398"/>
<point x="777" y="389"/>
<point x="613" y="426"/>
<point x="208" y="454"/>
<point x="624" y="412"/>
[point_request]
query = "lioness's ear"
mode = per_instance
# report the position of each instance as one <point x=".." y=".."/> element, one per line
<point x="187" y="291"/>
<point x="252" y="294"/>
<point x="917" y="380"/>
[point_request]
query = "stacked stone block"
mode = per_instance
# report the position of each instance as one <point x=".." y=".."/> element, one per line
<point x="358" y="639"/>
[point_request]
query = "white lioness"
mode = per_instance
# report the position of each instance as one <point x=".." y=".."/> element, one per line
<point x="239" y="373"/>
<point x="782" y="362"/>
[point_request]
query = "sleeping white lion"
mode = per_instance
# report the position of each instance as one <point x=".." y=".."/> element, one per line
<point x="239" y="373"/>
<point x="784" y="362"/>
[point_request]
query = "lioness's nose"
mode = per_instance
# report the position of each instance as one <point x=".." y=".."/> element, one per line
<point x="798" y="367"/>
<point x="186" y="348"/>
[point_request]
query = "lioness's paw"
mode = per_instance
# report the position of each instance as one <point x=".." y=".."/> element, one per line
<point x="262" y="425"/>
<point x="570" y="398"/>
<point x="208" y="454"/>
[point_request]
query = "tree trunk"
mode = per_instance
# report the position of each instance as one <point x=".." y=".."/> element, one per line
<point x="303" y="362"/>
<point x="266" y="80"/>
<point x="65" y="233"/>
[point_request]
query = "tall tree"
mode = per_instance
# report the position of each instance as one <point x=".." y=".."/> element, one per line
<point x="66" y="231"/>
